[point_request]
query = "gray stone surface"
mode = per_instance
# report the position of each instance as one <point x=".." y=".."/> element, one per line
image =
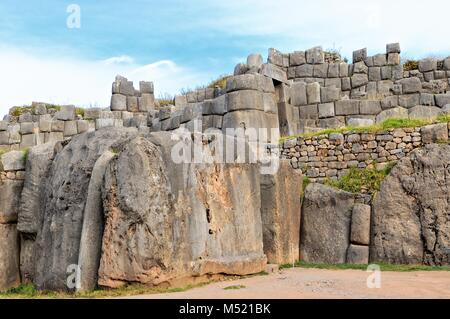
<point x="326" y="223"/>
<point x="360" y="234"/>
<point x="394" y="113"/>
<point x="63" y="201"/>
<point x="326" y="110"/>
<point x="358" y="255"/>
<point x="67" y="113"/>
<point x="193" y="220"/>
<point x="9" y="257"/>
<point x="410" y="224"/>
<point x="37" y="165"/>
<point x="359" y="80"/>
<point x="118" y="102"/>
<point x="393" y="48"/>
<point x="274" y="72"/>
<point x="442" y="99"/>
<point x="329" y="94"/>
<point x="359" y="55"/>
<point x="368" y="107"/>
<point x="280" y="211"/>
<point x="411" y="85"/>
<point x="424" y="112"/>
<point x="9" y="200"/>
<point x="92" y="231"/>
<point x="70" y="128"/>
<point x="298" y="94"/>
<point x="427" y="65"/>
<point x="347" y="107"/>
<point x="315" y="55"/>
<point x="436" y="133"/>
<point x="313" y="93"/>
<point x="12" y="161"/>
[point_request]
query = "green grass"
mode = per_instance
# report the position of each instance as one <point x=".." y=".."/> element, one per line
<point x="357" y="180"/>
<point x="236" y="287"/>
<point x="306" y="182"/>
<point x="19" y="110"/>
<point x="30" y="292"/>
<point x="25" y="153"/>
<point x="79" y="111"/>
<point x="383" y="267"/>
<point x="386" y="125"/>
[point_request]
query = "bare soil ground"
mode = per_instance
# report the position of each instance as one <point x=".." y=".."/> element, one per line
<point x="317" y="283"/>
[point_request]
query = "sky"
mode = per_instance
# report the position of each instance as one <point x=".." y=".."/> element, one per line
<point x="68" y="52"/>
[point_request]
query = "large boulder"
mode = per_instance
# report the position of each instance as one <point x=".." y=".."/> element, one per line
<point x="167" y="223"/>
<point x="280" y="211"/>
<point x="64" y="198"/>
<point x="326" y="223"/>
<point x="410" y="214"/>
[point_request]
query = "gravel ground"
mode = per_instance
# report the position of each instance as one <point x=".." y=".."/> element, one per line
<point x="316" y="283"/>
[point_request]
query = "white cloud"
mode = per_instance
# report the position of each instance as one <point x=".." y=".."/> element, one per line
<point x="26" y="78"/>
<point x="123" y="59"/>
<point x="419" y="26"/>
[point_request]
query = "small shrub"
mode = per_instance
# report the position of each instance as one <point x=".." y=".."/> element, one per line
<point x="410" y="65"/>
<point x="221" y="82"/>
<point x="25" y="154"/>
<point x="79" y="111"/>
<point x="166" y="99"/>
<point x="306" y="182"/>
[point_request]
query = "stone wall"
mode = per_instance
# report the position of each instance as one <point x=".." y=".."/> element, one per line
<point x="372" y="89"/>
<point x="332" y="155"/>
<point x="43" y="123"/>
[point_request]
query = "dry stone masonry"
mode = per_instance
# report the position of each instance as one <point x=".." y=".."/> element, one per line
<point x="332" y="155"/>
<point x="97" y="191"/>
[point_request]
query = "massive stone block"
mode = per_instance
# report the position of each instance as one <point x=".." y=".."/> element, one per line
<point x="9" y="200"/>
<point x="245" y="100"/>
<point x="38" y="163"/>
<point x="167" y="222"/>
<point x="63" y="202"/>
<point x="394" y="113"/>
<point x="250" y="119"/>
<point x="410" y="213"/>
<point x="92" y="232"/>
<point x="9" y="257"/>
<point x="250" y="82"/>
<point x="326" y="222"/>
<point x="280" y="211"/>
<point x="12" y="161"/>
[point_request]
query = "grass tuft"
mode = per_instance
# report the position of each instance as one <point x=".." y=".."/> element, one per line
<point x="386" y="125"/>
<point x="359" y="180"/>
<point x="383" y="267"/>
<point x="236" y="287"/>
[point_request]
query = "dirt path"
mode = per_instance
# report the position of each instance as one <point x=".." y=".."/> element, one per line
<point x="329" y="284"/>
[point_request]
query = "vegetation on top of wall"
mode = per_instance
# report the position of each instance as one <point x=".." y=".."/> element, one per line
<point x="386" y="125"/>
<point x="220" y="82"/>
<point x="410" y="65"/>
<point x="19" y="110"/>
<point x="358" y="180"/>
<point x="165" y="99"/>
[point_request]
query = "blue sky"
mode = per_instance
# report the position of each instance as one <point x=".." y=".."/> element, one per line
<point x="179" y="44"/>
